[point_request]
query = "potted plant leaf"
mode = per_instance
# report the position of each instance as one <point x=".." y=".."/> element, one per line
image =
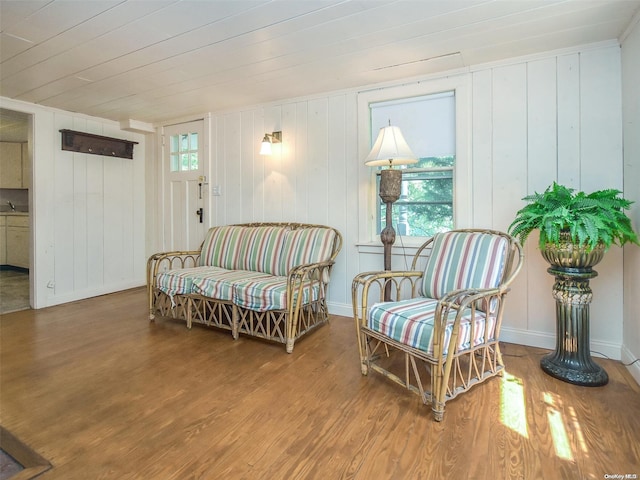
<point x="576" y="229"/>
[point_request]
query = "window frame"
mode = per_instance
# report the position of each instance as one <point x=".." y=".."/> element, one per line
<point x="462" y="204"/>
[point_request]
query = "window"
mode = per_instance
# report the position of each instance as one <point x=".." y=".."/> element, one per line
<point x="428" y="124"/>
<point x="184" y="152"/>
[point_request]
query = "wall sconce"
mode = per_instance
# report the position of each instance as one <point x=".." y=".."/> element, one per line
<point x="269" y="138"/>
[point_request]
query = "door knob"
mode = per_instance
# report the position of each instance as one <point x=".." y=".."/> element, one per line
<point x="200" y="212"/>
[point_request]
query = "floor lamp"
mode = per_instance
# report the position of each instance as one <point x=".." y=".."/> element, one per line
<point x="390" y="149"/>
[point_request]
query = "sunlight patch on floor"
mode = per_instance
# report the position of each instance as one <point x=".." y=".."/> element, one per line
<point x="513" y="412"/>
<point x="557" y="428"/>
<point x="578" y="430"/>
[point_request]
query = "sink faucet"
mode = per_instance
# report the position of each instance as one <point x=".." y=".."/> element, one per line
<point x="11" y="206"/>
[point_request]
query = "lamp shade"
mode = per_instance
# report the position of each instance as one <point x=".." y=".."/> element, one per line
<point x="265" y="147"/>
<point x="390" y="149"/>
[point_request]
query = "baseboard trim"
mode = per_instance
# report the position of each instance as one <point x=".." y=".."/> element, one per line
<point x="89" y="293"/>
<point x="628" y="357"/>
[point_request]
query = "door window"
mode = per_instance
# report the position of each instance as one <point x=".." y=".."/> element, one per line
<point x="183" y="152"/>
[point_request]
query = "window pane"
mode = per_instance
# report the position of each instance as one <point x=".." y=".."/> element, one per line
<point x="194" y="141"/>
<point x="175" y="163"/>
<point x="184" y="142"/>
<point x="174" y="145"/>
<point x="184" y="161"/>
<point x="194" y="160"/>
<point x="425" y="206"/>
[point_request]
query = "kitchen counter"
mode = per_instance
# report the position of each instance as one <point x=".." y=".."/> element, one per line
<point x="14" y="238"/>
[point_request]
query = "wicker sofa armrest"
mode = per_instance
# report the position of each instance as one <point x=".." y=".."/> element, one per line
<point x="163" y="261"/>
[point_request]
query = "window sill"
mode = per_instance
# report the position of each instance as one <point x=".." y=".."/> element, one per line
<point x="406" y="246"/>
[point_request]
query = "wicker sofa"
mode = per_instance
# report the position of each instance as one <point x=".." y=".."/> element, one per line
<point x="266" y="280"/>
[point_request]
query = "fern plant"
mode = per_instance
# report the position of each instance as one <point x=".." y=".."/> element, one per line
<point x="589" y="219"/>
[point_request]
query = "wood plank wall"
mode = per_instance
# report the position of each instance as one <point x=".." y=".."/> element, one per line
<point x="87" y="211"/>
<point x="533" y="121"/>
<point x="99" y="215"/>
<point x="630" y="52"/>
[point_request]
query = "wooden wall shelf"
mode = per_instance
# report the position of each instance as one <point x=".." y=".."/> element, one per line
<point x="96" y="144"/>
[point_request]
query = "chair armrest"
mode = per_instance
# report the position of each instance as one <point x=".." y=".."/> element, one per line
<point x="465" y="302"/>
<point x="370" y="286"/>
<point x="463" y="297"/>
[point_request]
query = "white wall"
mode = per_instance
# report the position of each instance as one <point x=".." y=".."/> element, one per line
<point x="532" y="121"/>
<point x="87" y="211"/>
<point x="631" y="118"/>
<point x="554" y="118"/>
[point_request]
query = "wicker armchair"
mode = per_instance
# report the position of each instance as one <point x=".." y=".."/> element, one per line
<point x="444" y="314"/>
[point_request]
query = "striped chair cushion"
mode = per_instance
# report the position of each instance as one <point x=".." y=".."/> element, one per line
<point x="410" y="322"/>
<point x="269" y="293"/>
<point x="180" y="282"/>
<point x="233" y="247"/>
<point x="221" y="284"/>
<point x="303" y="246"/>
<point x="464" y="260"/>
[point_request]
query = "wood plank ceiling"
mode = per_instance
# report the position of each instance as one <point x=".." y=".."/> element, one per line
<point x="159" y="60"/>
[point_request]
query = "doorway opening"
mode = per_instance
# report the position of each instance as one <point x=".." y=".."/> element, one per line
<point x="15" y="212"/>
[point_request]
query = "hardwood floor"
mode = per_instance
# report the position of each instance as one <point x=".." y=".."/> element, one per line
<point x="100" y="392"/>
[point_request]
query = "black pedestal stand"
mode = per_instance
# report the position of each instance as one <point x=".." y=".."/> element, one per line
<point x="571" y="361"/>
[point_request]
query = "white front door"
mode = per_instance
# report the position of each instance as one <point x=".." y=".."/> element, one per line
<point x="184" y="174"/>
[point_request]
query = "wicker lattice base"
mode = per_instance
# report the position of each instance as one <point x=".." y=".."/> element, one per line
<point x="468" y="368"/>
<point x="273" y="325"/>
<point x="217" y="314"/>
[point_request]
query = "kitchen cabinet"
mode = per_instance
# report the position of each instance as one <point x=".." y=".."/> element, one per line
<point x="10" y="165"/>
<point x="17" y="246"/>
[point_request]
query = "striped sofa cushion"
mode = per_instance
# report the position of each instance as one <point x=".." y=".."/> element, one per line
<point x="269" y="293"/>
<point x="180" y="282"/>
<point x="236" y="247"/>
<point x="410" y="322"/>
<point x="261" y="249"/>
<point x="221" y="284"/>
<point x="464" y="260"/>
<point x="303" y="246"/>
<point x="221" y="246"/>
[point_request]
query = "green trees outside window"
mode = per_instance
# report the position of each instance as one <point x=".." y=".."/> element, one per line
<point x="425" y="206"/>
